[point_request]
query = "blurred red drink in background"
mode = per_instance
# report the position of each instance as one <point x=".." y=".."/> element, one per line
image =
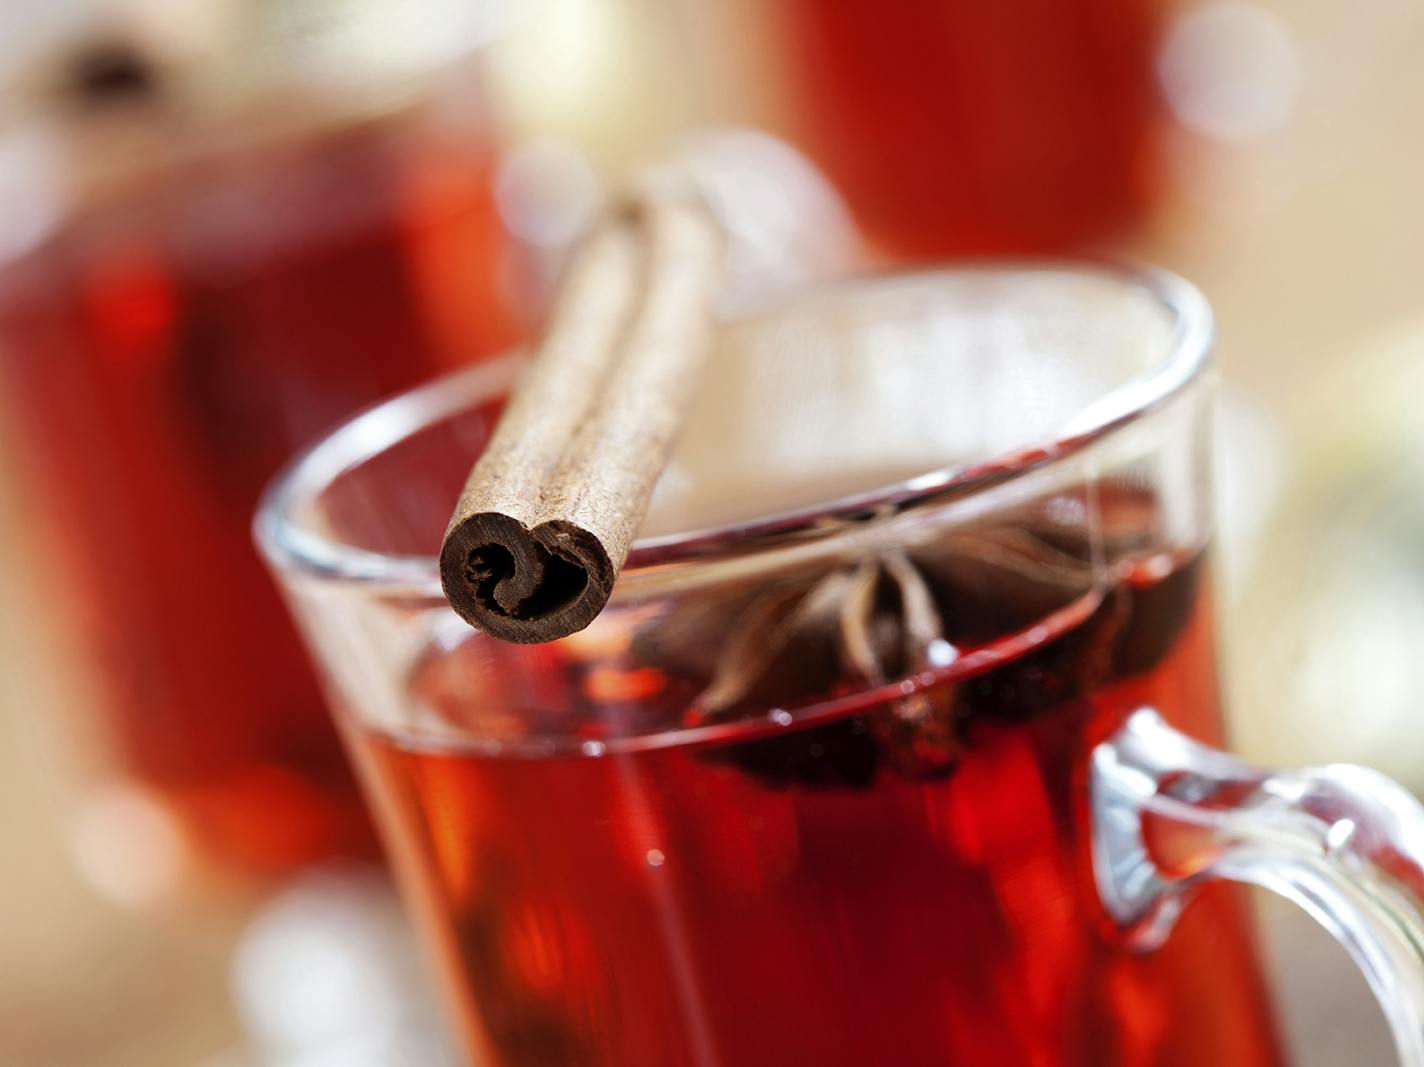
<point x="198" y="315"/>
<point x="954" y="126"/>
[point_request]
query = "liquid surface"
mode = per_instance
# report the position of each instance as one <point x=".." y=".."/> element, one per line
<point x="904" y="881"/>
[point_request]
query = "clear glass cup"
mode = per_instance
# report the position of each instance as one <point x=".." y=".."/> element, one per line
<point x="892" y="744"/>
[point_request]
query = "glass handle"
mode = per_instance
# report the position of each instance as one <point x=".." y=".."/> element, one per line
<point x="1343" y="842"/>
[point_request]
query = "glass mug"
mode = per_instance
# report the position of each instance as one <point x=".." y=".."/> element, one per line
<point x="919" y="775"/>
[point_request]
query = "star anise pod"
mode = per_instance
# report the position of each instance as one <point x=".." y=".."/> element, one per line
<point x="898" y="610"/>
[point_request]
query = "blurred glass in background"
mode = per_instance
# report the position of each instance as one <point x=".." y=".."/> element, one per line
<point x="955" y="126"/>
<point x="209" y="258"/>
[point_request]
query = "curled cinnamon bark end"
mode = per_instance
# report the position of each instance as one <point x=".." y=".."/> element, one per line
<point x="526" y="586"/>
<point x="551" y="508"/>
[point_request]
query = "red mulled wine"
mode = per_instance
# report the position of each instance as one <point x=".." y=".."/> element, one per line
<point x="954" y="127"/>
<point x="820" y="868"/>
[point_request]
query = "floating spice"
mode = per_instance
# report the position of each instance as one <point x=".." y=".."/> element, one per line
<point x="551" y="508"/>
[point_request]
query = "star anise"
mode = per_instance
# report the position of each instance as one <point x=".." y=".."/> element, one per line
<point x="899" y="610"/>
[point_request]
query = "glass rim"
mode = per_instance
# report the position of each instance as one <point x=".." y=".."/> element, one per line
<point x="296" y="550"/>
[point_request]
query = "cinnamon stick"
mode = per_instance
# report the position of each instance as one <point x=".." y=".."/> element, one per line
<point x="550" y="510"/>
